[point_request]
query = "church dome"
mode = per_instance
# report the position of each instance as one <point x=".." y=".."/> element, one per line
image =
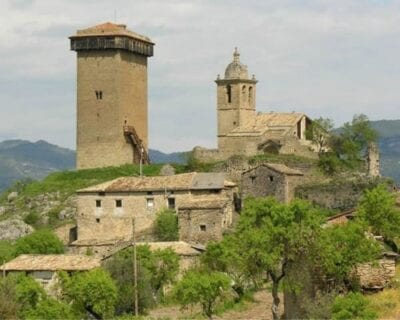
<point x="236" y="70"/>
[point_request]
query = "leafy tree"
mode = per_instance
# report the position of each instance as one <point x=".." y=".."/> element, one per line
<point x="166" y="226"/>
<point x="340" y="249"/>
<point x="224" y="256"/>
<point x="93" y="291"/>
<point x="352" y="306"/>
<point x="318" y="132"/>
<point x="155" y="270"/>
<point x="7" y="251"/>
<point x="329" y="163"/>
<point x="49" y="309"/>
<point x="39" y="242"/>
<point x="377" y="208"/>
<point x="200" y="287"/>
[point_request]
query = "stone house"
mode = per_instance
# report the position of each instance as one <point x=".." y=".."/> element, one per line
<point x="243" y="131"/>
<point x="271" y="179"/>
<point x="43" y="267"/>
<point x="106" y="212"/>
<point x="203" y="219"/>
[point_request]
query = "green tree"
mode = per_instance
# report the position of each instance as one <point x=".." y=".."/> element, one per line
<point x="39" y="242"/>
<point x="271" y="236"/>
<point x="7" y="251"/>
<point x="378" y="209"/>
<point x="318" y="132"/>
<point x="93" y="291"/>
<point x="155" y="270"/>
<point x="352" y="306"/>
<point x="166" y="226"/>
<point x="200" y="287"/>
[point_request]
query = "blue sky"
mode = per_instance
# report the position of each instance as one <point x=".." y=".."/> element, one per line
<point x="325" y="58"/>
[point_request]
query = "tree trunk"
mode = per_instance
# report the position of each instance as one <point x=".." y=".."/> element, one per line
<point x="276" y="300"/>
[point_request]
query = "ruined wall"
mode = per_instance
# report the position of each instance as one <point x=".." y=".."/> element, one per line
<point x="376" y="275"/>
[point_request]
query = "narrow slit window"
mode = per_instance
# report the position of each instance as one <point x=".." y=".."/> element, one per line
<point x="171" y="203"/>
<point x="229" y="93"/>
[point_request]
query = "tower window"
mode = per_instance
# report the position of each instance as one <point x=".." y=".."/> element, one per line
<point x="171" y="203"/>
<point x="99" y="95"/>
<point x="229" y="93"/>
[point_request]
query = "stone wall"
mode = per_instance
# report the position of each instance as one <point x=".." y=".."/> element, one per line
<point x="121" y="76"/>
<point x="202" y="225"/>
<point x="376" y="275"/>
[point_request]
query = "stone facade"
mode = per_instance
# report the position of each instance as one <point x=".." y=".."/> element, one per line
<point x="106" y="212"/>
<point x="269" y="179"/>
<point x="243" y="131"/>
<point x="202" y="220"/>
<point x="111" y="94"/>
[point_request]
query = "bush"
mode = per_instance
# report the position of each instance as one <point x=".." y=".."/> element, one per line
<point x="7" y="251"/>
<point x="49" y="309"/>
<point x="32" y="218"/>
<point x="329" y="163"/>
<point x="166" y="226"/>
<point x="351" y="306"/>
<point x="39" y="242"/>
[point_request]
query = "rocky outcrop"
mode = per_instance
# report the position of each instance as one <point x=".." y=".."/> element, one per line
<point x="13" y="229"/>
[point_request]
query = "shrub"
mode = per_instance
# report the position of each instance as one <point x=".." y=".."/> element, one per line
<point x="166" y="226"/>
<point x="351" y="306"/>
<point x="39" y="242"/>
<point x="32" y="218"/>
<point x="7" y="251"/>
<point x="329" y="163"/>
<point x="49" y="309"/>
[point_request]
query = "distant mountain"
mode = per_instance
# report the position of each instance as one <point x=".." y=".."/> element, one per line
<point x="21" y="159"/>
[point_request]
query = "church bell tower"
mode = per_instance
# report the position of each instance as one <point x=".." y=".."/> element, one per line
<point x="111" y="95"/>
<point x="236" y="95"/>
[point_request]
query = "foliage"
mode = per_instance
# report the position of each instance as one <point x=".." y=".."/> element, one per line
<point x="352" y="306"/>
<point x="49" y="309"/>
<point x="32" y="218"/>
<point x="7" y="251"/>
<point x="155" y="270"/>
<point x="39" y="242"/>
<point x="166" y="226"/>
<point x="329" y="163"/>
<point x="92" y="291"/>
<point x="200" y="287"/>
<point x="340" y="248"/>
<point x="377" y="208"/>
<point x="318" y="132"/>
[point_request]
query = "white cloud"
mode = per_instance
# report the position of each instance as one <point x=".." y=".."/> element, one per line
<point x="330" y="58"/>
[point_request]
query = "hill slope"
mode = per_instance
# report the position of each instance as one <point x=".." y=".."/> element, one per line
<point x="21" y="159"/>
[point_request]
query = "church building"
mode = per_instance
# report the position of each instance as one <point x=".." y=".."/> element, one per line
<point x="244" y="131"/>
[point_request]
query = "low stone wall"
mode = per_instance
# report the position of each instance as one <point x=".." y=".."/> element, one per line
<point x="376" y="275"/>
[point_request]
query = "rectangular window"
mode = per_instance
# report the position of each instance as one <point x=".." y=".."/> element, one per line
<point x="150" y="203"/>
<point x="171" y="203"/>
<point x="118" y="203"/>
<point x="98" y="203"/>
<point x="271" y="178"/>
<point x="203" y="227"/>
<point x="97" y="220"/>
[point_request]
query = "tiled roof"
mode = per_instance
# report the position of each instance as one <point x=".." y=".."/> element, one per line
<point x="51" y="262"/>
<point x="278" y="167"/>
<point x="183" y="181"/>
<point x="109" y="29"/>
<point x="276" y="123"/>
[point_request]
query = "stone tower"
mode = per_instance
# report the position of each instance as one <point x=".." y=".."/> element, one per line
<point x="111" y="95"/>
<point x="373" y="159"/>
<point x="236" y="97"/>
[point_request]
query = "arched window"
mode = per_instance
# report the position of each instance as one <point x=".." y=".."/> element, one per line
<point x="229" y="93"/>
<point x="250" y="95"/>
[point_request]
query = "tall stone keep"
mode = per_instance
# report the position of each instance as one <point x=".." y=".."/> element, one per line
<point x="111" y="95"/>
<point x="236" y="95"/>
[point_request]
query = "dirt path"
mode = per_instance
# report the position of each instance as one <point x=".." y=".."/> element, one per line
<point x="260" y="309"/>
